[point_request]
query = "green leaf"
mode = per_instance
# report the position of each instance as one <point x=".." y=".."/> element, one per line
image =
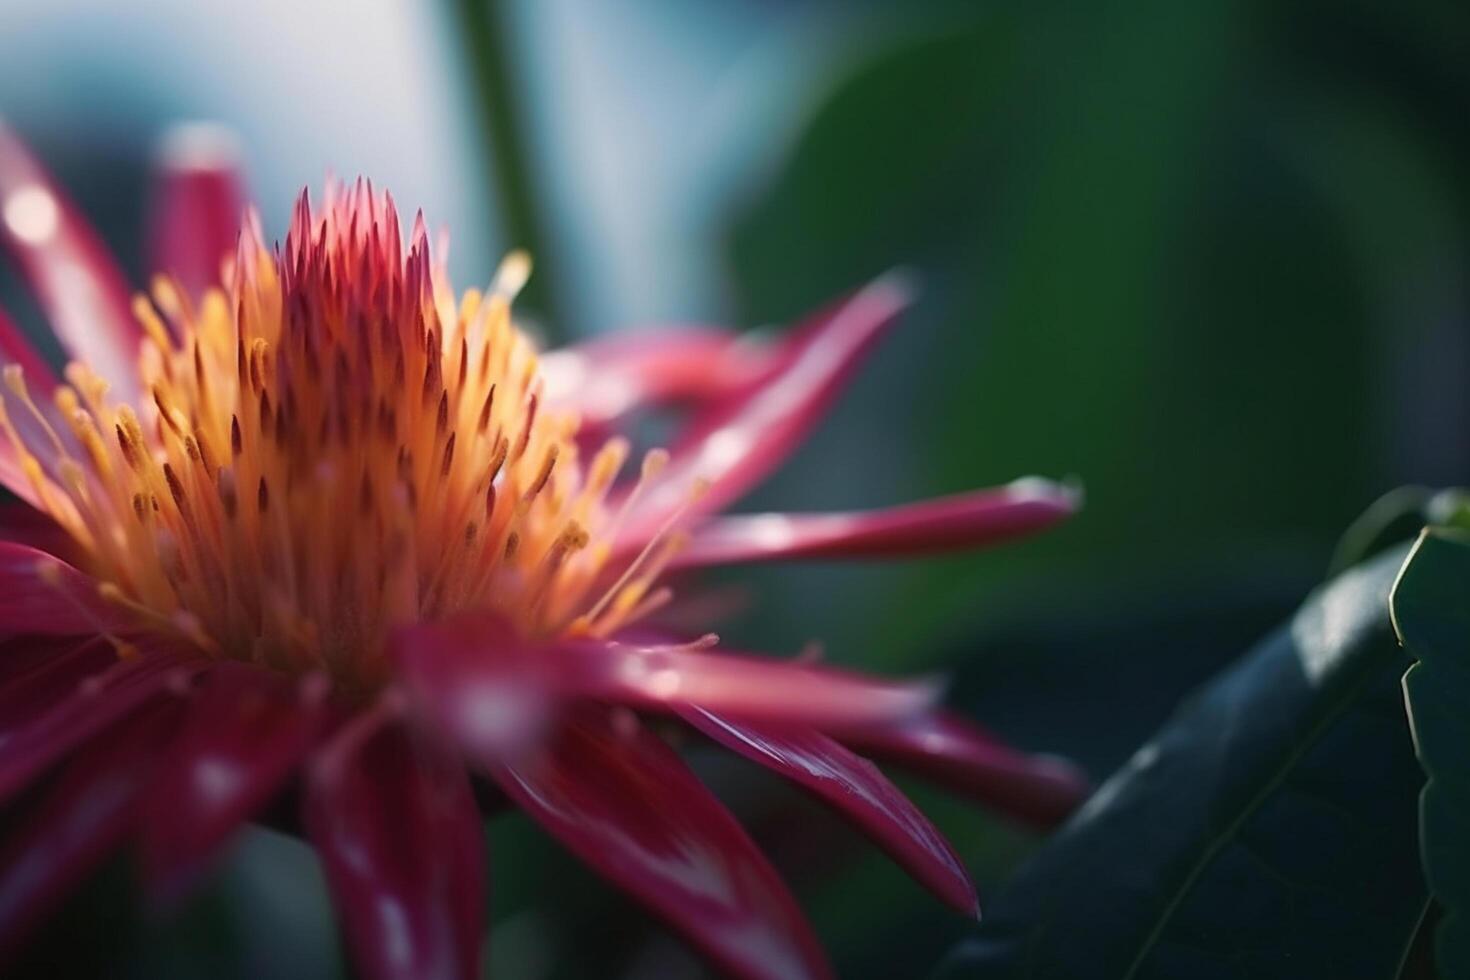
<point x="1431" y="609"/>
<point x="1268" y="830"/>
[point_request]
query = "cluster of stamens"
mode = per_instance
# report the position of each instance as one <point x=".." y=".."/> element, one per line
<point x="329" y="447"/>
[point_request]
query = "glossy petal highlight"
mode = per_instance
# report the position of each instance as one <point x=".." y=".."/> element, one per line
<point x="963" y="521"/>
<point x="246" y="730"/>
<point x="79" y="285"/>
<point x="624" y="803"/>
<point x="855" y="788"/>
<point x="198" y="204"/>
<point x="1037" y="790"/>
<point x="399" y="836"/>
<point x="744" y="439"/>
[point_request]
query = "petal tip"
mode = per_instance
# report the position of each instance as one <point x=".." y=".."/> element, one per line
<point x="199" y="145"/>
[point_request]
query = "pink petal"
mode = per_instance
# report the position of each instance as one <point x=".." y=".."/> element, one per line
<point x="15" y="348"/>
<point x="79" y="820"/>
<point x="400" y="839"/>
<point x="21" y="655"/>
<point x="857" y="790"/>
<point x="197" y="205"/>
<point x="745" y="438"/>
<point x="90" y="702"/>
<point x="78" y="284"/>
<point x="624" y="803"/>
<point x="474" y="678"/>
<point x="42" y="672"/>
<point x="25" y="525"/>
<point x="246" y="731"/>
<point x="605" y="378"/>
<point x="41" y="594"/>
<point x="950" y="523"/>
<point x="1037" y="790"/>
<point x="739" y="685"/>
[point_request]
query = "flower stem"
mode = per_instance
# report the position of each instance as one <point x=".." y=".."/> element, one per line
<point x="484" y="30"/>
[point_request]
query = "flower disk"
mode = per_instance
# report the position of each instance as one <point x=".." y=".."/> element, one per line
<point x="331" y="447"/>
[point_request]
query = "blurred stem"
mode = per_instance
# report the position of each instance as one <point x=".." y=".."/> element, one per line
<point x="485" y="32"/>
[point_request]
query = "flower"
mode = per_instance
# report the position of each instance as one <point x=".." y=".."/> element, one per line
<point x="330" y="526"/>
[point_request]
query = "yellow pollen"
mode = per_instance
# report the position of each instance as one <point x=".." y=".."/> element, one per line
<point x="402" y="462"/>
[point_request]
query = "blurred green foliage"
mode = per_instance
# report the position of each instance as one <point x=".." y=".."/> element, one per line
<point x="1189" y="252"/>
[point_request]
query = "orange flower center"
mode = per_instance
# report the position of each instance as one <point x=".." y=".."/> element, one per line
<point x="333" y="446"/>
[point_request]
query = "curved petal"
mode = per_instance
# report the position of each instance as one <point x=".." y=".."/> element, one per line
<point x="39" y="673"/>
<point x="41" y="594"/>
<point x="745" y="438"/>
<point x="856" y="789"/>
<point x="624" y="803"/>
<point x="79" y="820"/>
<point x="395" y="823"/>
<point x="25" y="525"/>
<point x="743" y="686"/>
<point x="197" y="205"/>
<point x="79" y="285"/>
<point x="494" y="692"/>
<point x="605" y="378"/>
<point x="16" y="349"/>
<point x="953" y="523"/>
<point x="1037" y="790"/>
<point x="476" y="680"/>
<point x="88" y="703"/>
<point x="246" y="731"/>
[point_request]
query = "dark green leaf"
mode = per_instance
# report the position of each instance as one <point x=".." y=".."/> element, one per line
<point x="1267" y="831"/>
<point x="1431" y="608"/>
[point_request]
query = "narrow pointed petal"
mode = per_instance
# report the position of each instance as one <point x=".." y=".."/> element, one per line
<point x="41" y="594"/>
<point x="744" y="439"/>
<point x="395" y="824"/>
<point x="78" y="283"/>
<point x="246" y="731"/>
<point x="90" y="703"/>
<point x="605" y="378"/>
<point x="198" y="202"/>
<point x="742" y="686"/>
<point x="623" y="802"/>
<point x="856" y="789"/>
<point x="1038" y="790"/>
<point x="79" y="820"/>
<point x="954" y="523"/>
<point x="495" y="693"/>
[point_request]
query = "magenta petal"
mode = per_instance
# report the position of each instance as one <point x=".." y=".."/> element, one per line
<point x="24" y="524"/>
<point x="857" y="790"/>
<point x="608" y="377"/>
<point x="1037" y="790"/>
<point x="741" y="686"/>
<point x="79" y="819"/>
<point x="197" y="205"/>
<point x="246" y="731"/>
<point x="745" y="438"/>
<point x="475" y="679"/>
<point x="950" y="523"/>
<point x="16" y="349"/>
<point x="90" y="703"/>
<point x="41" y="594"/>
<point x="40" y="673"/>
<point x="623" y="802"/>
<point x="395" y="823"/>
<point x="77" y="282"/>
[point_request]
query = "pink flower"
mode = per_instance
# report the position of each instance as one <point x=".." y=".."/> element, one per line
<point x="330" y="523"/>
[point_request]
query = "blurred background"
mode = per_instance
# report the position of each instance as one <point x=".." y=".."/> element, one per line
<point x="1209" y="258"/>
